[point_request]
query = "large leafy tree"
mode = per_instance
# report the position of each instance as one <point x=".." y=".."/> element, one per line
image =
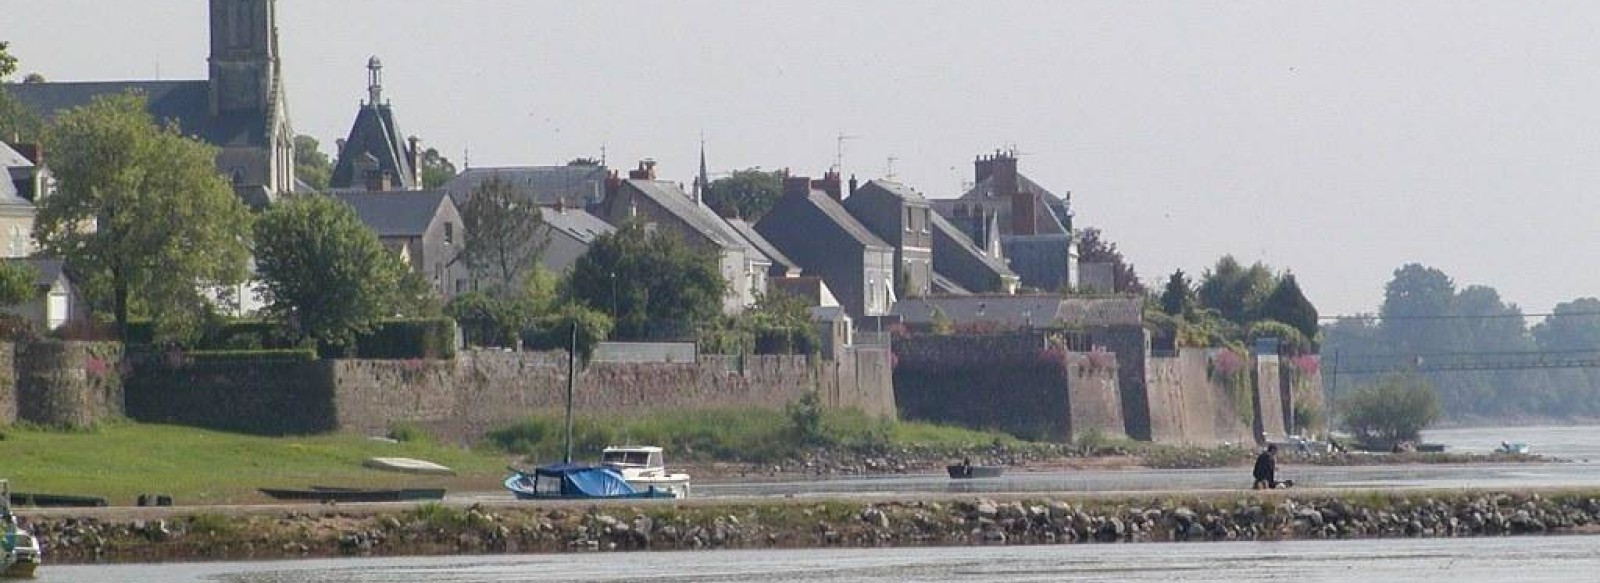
<point x="436" y="169"/>
<point x="141" y="213"/>
<point x="1289" y="305"/>
<point x="504" y="236"/>
<point x="15" y="119"/>
<point x="748" y="193"/>
<point x="324" y="273"/>
<point x="311" y="165"/>
<point x="1093" y="247"/>
<point x="1573" y="325"/>
<point x="1418" y="305"/>
<point x="653" y="284"/>
<point x="1234" y="291"/>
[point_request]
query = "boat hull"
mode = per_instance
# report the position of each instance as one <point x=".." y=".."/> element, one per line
<point x="328" y="494"/>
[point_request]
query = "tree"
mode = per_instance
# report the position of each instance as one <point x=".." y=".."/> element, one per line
<point x="1178" y="297"/>
<point x="1417" y="305"/>
<point x="1093" y="247"/>
<point x="1289" y="305"/>
<point x="436" y="169"/>
<point x="325" y="275"/>
<point x="654" y="285"/>
<point x="1234" y="291"/>
<point x="1397" y="408"/>
<point x="747" y="193"/>
<point x="17" y="282"/>
<point x="310" y="163"/>
<point x="1573" y="325"/>
<point x="504" y="236"/>
<point x="15" y="119"/>
<point x="142" y="211"/>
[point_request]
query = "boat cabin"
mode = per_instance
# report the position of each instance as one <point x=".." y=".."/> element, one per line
<point x="643" y="456"/>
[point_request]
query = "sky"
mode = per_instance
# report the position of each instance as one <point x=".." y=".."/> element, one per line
<point x="1338" y="141"/>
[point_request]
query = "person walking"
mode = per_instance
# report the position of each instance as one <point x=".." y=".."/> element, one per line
<point x="1266" y="473"/>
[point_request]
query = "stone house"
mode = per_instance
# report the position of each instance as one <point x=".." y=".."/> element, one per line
<point x="809" y="225"/>
<point x="376" y="156"/>
<point x="568" y="234"/>
<point x="21" y="182"/>
<point x="665" y="207"/>
<point x="423" y="227"/>
<point x="900" y="217"/>
<point x="1034" y="225"/>
<point x="241" y="108"/>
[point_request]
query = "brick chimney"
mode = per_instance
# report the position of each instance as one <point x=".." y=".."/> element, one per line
<point x="830" y="184"/>
<point x="645" y="171"/>
<point x="853" y="185"/>
<point x="379" y="181"/>
<point x="1002" y="166"/>
<point x="796" y="186"/>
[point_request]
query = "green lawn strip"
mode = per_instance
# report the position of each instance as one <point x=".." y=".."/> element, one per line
<point x="195" y="466"/>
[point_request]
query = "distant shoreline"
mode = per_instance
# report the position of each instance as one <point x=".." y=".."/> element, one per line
<point x="127" y="535"/>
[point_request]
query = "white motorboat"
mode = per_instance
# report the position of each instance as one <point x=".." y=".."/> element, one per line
<point x="643" y="467"/>
<point x="22" y="554"/>
<point x="1514" y="448"/>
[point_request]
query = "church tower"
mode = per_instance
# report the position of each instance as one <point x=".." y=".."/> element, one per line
<point x="244" y="55"/>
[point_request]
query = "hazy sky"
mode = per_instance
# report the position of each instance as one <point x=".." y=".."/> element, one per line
<point x="1337" y="140"/>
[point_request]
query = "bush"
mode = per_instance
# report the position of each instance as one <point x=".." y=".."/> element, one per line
<point x="1291" y="341"/>
<point x="554" y="332"/>
<point x="408" y="432"/>
<point x="432" y="338"/>
<point x="1396" y="409"/>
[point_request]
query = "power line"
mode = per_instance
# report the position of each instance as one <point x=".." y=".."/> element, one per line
<point x="1459" y="316"/>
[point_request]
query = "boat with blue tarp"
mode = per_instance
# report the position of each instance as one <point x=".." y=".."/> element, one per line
<point x="568" y="481"/>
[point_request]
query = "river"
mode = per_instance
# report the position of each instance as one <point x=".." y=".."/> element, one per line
<point x="1526" y="559"/>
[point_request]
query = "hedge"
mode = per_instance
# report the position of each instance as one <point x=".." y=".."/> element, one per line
<point x="429" y="338"/>
<point x="275" y="355"/>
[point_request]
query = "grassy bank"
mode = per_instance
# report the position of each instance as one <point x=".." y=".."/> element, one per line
<point x="123" y="460"/>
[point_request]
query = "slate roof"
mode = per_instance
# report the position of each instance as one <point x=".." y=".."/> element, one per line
<point x="187" y="103"/>
<point x="837" y="214"/>
<point x="1047" y="210"/>
<point x="582" y="186"/>
<point x="761" y="244"/>
<point x="13" y="166"/>
<point x="1010" y="310"/>
<point x="374" y="134"/>
<point x="945" y="285"/>
<point x="576" y="223"/>
<point x="898" y="190"/>
<point x="1115" y="311"/>
<point x="395" y="214"/>
<point x="698" y="216"/>
<point x="949" y="229"/>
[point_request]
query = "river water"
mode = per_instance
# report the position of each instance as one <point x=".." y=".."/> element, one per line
<point x="1527" y="559"/>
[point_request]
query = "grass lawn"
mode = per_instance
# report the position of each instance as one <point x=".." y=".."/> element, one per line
<point x="195" y="466"/>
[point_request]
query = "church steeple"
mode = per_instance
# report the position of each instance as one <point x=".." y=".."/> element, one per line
<point x="244" y="55"/>
<point x="703" y="181"/>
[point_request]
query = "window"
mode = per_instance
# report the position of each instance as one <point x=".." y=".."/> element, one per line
<point x="925" y="221"/>
<point x="909" y="226"/>
<point x="449" y="233"/>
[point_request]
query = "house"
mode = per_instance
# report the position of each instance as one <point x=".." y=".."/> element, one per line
<point x="900" y="217"/>
<point x="58" y="301"/>
<point x="1034" y="225"/>
<point x="376" y="156"/>
<point x="576" y="185"/>
<point x="782" y="265"/>
<point x="20" y="183"/>
<point x="810" y="226"/>
<point x="961" y="267"/>
<point x="240" y="108"/>
<point x="569" y="232"/>
<point x="665" y="207"/>
<point x="423" y="227"/>
<point x="834" y="327"/>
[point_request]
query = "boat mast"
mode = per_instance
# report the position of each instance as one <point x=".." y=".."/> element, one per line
<point x="572" y="379"/>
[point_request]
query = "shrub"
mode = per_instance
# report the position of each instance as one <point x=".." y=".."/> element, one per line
<point x="1397" y="408"/>
<point x="431" y="338"/>
<point x="408" y="432"/>
<point x="554" y="331"/>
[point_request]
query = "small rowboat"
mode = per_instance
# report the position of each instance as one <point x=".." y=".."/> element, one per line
<point x="965" y="471"/>
<point x="331" y="494"/>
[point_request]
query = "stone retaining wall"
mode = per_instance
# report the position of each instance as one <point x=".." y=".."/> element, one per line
<point x="1189" y="406"/>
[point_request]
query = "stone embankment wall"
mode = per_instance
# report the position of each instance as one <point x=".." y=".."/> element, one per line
<point x="61" y="384"/>
<point x="187" y="534"/>
<point x="1023" y="383"/>
<point x="460" y="399"/>
<point x="1270" y="408"/>
<point x="1188" y="405"/>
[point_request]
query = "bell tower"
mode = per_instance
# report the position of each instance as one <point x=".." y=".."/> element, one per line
<point x="244" y="55"/>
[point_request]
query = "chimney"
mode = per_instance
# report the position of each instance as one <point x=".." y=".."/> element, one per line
<point x="796" y="186"/>
<point x="415" y="155"/>
<point x="379" y="181"/>
<point x="1002" y="166"/>
<point x="645" y="171"/>
<point x="613" y="183"/>
<point x="830" y="184"/>
<point x="853" y="185"/>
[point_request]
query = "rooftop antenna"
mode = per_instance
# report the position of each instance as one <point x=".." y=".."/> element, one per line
<point x="838" y="155"/>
